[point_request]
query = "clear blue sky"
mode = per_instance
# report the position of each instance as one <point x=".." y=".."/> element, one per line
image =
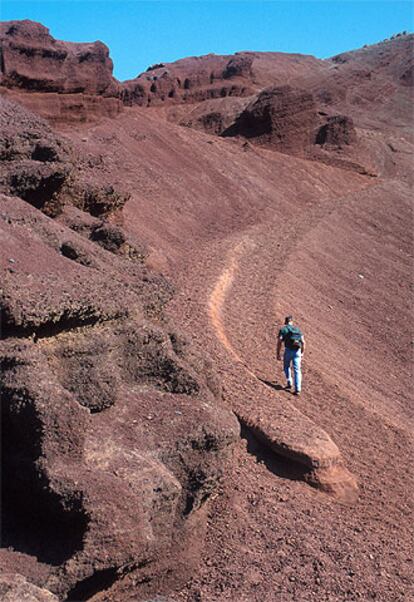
<point x="140" y="33"/>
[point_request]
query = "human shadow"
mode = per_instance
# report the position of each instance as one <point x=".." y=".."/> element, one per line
<point x="276" y="386"/>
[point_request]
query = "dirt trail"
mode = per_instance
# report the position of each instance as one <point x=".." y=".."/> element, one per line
<point x="245" y="288"/>
<point x="220" y="292"/>
<point x="311" y="446"/>
<point x="311" y="231"/>
<point x="245" y="234"/>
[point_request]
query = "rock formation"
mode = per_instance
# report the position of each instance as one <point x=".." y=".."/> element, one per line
<point x="240" y="66"/>
<point x="15" y="588"/>
<point x="83" y="334"/>
<point x="338" y="131"/>
<point x="75" y="80"/>
<point x="41" y="167"/>
<point x="143" y="266"/>
<point x="33" y="60"/>
<point x="282" y="117"/>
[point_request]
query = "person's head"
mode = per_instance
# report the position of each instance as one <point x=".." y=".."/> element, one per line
<point x="288" y="320"/>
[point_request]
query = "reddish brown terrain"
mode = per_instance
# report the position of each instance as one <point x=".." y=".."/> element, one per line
<point x="154" y="233"/>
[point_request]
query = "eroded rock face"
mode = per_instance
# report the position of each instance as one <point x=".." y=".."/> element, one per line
<point x="73" y="81"/>
<point x="33" y="60"/>
<point x="35" y="162"/>
<point x="15" y="588"/>
<point x="62" y="81"/>
<point x="214" y="117"/>
<point x="192" y="80"/>
<point x="112" y="431"/>
<point x="282" y="117"/>
<point x="110" y="417"/>
<point x="42" y="168"/>
<point x="338" y="131"/>
<point x="24" y="136"/>
<point x="240" y="65"/>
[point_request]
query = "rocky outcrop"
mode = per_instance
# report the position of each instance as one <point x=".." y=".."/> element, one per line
<point x="337" y="132"/>
<point x="68" y="82"/>
<point x="112" y="432"/>
<point x="282" y="117"/>
<point x="119" y="434"/>
<point x="33" y="60"/>
<point x="71" y="82"/>
<point x="199" y="79"/>
<point x="15" y="588"/>
<point x="114" y="429"/>
<point x="211" y="116"/>
<point x="167" y="90"/>
<point x="42" y="168"/>
<point x="35" y="162"/>
<point x="239" y="66"/>
<point x="74" y="82"/>
<point x="212" y="123"/>
<point x="62" y="81"/>
<point x="189" y="80"/>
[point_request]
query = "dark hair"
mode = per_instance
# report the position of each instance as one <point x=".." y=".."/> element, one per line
<point x="288" y="319"/>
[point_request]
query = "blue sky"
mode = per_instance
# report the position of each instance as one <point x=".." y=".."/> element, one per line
<point x="140" y="33"/>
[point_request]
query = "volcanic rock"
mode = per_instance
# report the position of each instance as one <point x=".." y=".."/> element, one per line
<point x="201" y="79"/>
<point x="35" y="162"/>
<point x="109" y="237"/>
<point x="38" y="184"/>
<point x="79" y="339"/>
<point x="240" y="66"/>
<point x="282" y="117"/>
<point x="34" y="60"/>
<point x="212" y="122"/>
<point x="77" y="344"/>
<point x="40" y="167"/>
<point x="15" y="588"/>
<point x="211" y="116"/>
<point x="117" y="433"/>
<point x="26" y="136"/>
<point x="338" y="131"/>
<point x="66" y="81"/>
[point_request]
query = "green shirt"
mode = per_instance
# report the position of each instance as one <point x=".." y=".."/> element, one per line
<point x="284" y="335"/>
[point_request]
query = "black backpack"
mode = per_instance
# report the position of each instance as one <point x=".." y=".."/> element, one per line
<point x="293" y="338"/>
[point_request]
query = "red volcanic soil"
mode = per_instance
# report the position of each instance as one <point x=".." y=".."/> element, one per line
<point x="166" y="257"/>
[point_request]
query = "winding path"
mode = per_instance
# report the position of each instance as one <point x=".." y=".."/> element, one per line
<point x="242" y="305"/>
<point x="294" y="436"/>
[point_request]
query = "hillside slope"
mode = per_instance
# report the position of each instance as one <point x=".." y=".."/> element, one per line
<point x="146" y="268"/>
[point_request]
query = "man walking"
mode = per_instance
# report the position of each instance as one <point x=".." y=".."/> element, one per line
<point x="294" y="342"/>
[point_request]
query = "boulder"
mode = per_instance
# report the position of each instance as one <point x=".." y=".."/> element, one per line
<point x="337" y="132"/>
<point x="281" y="117"/>
<point x="238" y="66"/>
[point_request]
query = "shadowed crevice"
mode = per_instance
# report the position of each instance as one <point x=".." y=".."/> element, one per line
<point x="277" y="464"/>
<point x="96" y="583"/>
<point x="48" y="329"/>
<point x="34" y="520"/>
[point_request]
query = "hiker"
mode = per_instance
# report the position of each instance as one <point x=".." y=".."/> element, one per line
<point x="294" y="342"/>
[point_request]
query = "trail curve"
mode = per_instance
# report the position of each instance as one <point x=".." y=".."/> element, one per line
<point x="278" y="424"/>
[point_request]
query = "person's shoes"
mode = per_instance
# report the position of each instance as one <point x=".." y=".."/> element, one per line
<point x="297" y="393"/>
<point x="288" y="386"/>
